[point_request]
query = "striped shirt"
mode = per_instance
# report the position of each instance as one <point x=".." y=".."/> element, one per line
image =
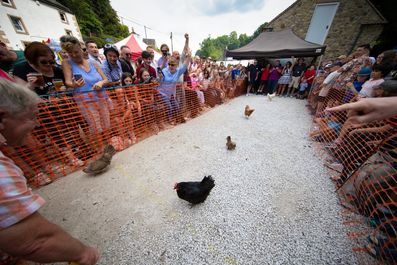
<point x="16" y="200"/>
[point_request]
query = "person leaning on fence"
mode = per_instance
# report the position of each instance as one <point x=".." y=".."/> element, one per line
<point x="24" y="232"/>
<point x="146" y="61"/>
<point x="361" y="138"/>
<point x="167" y="88"/>
<point x="121" y="114"/>
<point x="40" y="74"/>
<point x="372" y="189"/>
<point x="149" y="101"/>
<point x="88" y="82"/>
<point x="377" y="74"/>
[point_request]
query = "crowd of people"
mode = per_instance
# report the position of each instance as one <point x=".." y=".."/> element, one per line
<point x="111" y="93"/>
<point x="84" y="103"/>
<point x="355" y="123"/>
<point x="293" y="79"/>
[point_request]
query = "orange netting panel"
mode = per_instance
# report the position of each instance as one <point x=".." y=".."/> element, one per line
<point x="74" y="129"/>
<point x="362" y="160"/>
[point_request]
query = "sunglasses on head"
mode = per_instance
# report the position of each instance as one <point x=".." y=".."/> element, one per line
<point x="47" y="62"/>
<point x="108" y="46"/>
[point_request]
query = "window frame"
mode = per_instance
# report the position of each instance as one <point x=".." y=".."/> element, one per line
<point x="25" y="32"/>
<point x="12" y="4"/>
<point x="66" y="21"/>
<point x="68" y="30"/>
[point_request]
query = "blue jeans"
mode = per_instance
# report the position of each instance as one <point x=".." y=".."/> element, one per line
<point x="172" y="106"/>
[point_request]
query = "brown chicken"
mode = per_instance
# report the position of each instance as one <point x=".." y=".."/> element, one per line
<point x="248" y="111"/>
<point x="230" y="144"/>
<point x="101" y="164"/>
<point x="195" y="191"/>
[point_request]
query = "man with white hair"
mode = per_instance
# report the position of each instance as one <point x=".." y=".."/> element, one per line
<point x="24" y="232"/>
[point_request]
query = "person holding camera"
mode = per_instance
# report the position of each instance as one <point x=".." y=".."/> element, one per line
<point x="165" y="51"/>
<point x="88" y="82"/>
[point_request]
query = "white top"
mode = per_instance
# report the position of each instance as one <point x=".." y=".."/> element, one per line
<point x="331" y="77"/>
<point x="368" y="87"/>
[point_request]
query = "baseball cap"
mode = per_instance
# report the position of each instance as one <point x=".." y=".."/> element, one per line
<point x="364" y="71"/>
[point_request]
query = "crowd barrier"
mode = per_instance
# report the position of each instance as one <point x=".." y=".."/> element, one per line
<point x="362" y="160"/>
<point x="73" y="130"/>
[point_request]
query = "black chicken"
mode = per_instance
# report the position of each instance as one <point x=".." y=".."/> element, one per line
<point x="195" y="191"/>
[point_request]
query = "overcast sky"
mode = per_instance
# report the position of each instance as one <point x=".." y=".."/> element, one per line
<point x="199" y="18"/>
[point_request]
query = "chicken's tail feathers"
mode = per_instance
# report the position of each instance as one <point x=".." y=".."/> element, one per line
<point x="87" y="170"/>
<point x="109" y="149"/>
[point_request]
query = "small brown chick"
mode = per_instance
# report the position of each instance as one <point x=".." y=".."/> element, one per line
<point x="230" y="144"/>
<point x="101" y="164"/>
<point x="248" y="111"/>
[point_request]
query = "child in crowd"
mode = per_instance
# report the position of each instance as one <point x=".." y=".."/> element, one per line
<point x="196" y="87"/>
<point x="355" y="87"/>
<point x="378" y="72"/>
<point x="122" y="112"/>
<point x="302" y="88"/>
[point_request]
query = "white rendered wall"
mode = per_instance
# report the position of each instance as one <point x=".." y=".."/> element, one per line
<point x="41" y="21"/>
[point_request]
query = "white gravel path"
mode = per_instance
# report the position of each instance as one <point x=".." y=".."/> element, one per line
<point x="272" y="204"/>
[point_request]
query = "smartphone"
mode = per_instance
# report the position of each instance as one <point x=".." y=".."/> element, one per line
<point x="77" y="77"/>
<point x="160" y="72"/>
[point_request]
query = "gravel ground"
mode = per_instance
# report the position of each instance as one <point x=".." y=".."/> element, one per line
<point x="273" y="202"/>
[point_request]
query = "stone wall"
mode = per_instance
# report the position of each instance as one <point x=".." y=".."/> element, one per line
<point x="344" y="32"/>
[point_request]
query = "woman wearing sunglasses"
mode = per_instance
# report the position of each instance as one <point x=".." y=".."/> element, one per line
<point x="88" y="82"/>
<point x="167" y="88"/>
<point x="38" y="72"/>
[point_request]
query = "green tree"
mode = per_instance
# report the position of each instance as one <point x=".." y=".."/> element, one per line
<point x="97" y="20"/>
<point x="215" y="48"/>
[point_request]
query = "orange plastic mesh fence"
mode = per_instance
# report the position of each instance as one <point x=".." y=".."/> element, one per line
<point x="74" y="129"/>
<point x="362" y="160"/>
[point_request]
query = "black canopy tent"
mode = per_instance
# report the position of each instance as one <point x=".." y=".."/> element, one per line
<point x="280" y="44"/>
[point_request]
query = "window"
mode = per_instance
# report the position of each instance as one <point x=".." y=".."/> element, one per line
<point x="68" y="32"/>
<point x="18" y="24"/>
<point x="63" y="16"/>
<point x="9" y="3"/>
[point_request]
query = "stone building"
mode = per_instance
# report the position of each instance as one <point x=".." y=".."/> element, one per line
<point x="342" y="25"/>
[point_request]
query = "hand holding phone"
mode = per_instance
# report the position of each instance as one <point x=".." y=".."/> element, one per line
<point x="77" y="77"/>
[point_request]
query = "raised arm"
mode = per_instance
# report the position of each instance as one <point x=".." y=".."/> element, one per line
<point x="186" y="47"/>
